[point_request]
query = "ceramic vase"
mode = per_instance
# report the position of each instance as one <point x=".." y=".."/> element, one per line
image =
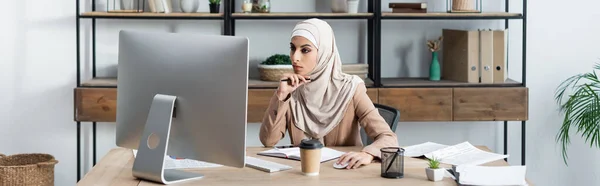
<point x="189" y="6"/>
<point x="339" y="6"/>
<point x="434" y="67"/>
<point x="435" y="174"/>
<point x="352" y="6"/>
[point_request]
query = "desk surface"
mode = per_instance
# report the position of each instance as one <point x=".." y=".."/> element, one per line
<point x="115" y="169"/>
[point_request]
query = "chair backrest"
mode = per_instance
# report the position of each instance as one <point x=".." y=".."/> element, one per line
<point x="391" y="117"/>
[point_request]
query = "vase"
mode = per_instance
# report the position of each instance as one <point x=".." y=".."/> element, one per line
<point x="434" y="67"/>
<point x="339" y="6"/>
<point x="353" y="6"/>
<point x="189" y="6"/>
<point x="214" y="8"/>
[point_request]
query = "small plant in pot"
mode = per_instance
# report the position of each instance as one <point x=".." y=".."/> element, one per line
<point x="274" y="67"/>
<point x="434" y="171"/>
<point x="214" y="5"/>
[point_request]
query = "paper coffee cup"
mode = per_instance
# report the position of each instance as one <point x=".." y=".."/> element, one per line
<point x="310" y="156"/>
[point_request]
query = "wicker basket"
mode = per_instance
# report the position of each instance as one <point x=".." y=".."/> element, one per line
<point x="27" y="169"/>
<point x="273" y="72"/>
<point x="463" y="5"/>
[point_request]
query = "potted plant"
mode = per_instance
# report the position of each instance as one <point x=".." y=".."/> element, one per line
<point x="581" y="109"/>
<point x="433" y="171"/>
<point x="214" y="5"/>
<point x="274" y="67"/>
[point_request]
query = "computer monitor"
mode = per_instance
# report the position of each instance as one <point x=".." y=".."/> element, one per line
<point x="184" y="95"/>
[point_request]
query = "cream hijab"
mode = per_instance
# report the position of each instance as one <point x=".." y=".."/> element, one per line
<point x="319" y="106"/>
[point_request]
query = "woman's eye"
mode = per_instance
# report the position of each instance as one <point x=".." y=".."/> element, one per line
<point x="292" y="48"/>
<point x="305" y="50"/>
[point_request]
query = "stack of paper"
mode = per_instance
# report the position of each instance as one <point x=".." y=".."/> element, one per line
<point x="459" y="154"/>
<point x="492" y="176"/>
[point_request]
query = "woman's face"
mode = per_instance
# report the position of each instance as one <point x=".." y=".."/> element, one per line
<point x="303" y="55"/>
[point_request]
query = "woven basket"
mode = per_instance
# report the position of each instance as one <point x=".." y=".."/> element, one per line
<point x="273" y="72"/>
<point x="27" y="169"/>
<point x="463" y="5"/>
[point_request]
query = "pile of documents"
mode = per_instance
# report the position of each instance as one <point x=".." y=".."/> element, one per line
<point x="467" y="163"/>
<point x="459" y="154"/>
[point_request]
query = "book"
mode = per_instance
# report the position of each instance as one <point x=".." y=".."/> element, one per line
<point x="408" y="5"/>
<point x="293" y="153"/>
<point x="460" y="154"/>
<point x="408" y="10"/>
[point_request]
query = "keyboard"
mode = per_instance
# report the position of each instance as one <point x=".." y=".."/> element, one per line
<point x="265" y="165"/>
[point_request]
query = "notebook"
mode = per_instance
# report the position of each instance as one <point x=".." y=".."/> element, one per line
<point x="294" y="153"/>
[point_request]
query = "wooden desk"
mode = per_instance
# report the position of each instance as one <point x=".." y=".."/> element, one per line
<point x="115" y="169"/>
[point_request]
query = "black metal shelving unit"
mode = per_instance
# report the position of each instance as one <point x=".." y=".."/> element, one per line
<point x="374" y="16"/>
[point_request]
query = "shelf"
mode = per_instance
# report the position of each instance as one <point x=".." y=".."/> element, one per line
<point x="104" y="82"/>
<point x="443" y="15"/>
<point x="150" y="15"/>
<point x="111" y="82"/>
<point x="426" y="83"/>
<point x="301" y="15"/>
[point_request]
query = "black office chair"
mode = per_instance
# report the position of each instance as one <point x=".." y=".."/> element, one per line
<point x="391" y="117"/>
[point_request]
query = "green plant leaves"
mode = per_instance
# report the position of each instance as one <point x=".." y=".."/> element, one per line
<point x="278" y="59"/>
<point x="581" y="109"/>
<point x="433" y="163"/>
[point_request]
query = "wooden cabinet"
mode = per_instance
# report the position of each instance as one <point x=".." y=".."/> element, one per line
<point x="419" y="104"/>
<point x="490" y="104"/>
<point x="415" y="104"/>
<point x="96" y="104"/>
<point x="258" y="102"/>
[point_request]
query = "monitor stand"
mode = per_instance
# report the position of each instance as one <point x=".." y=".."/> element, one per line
<point x="149" y="163"/>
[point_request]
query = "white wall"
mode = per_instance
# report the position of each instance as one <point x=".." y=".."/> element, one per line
<point x="37" y="71"/>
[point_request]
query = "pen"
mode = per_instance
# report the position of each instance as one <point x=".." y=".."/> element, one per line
<point x="307" y="79"/>
<point x="284" y="146"/>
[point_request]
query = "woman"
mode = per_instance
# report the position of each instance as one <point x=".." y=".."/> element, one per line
<point x="321" y="102"/>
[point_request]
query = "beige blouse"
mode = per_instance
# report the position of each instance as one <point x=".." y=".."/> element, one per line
<point x="360" y="113"/>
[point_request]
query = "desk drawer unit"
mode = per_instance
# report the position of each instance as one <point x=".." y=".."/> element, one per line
<point x="419" y="104"/>
<point x="490" y="104"/>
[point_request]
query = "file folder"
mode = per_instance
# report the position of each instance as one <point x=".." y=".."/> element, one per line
<point x="486" y="56"/>
<point x="500" y="71"/>
<point x="460" y="51"/>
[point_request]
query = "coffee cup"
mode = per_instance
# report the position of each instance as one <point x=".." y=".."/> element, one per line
<point x="310" y="156"/>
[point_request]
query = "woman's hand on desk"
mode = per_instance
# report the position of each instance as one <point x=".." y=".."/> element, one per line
<point x="287" y="87"/>
<point x="355" y="159"/>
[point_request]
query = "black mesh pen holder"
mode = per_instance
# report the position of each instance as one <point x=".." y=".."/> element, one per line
<point x="392" y="162"/>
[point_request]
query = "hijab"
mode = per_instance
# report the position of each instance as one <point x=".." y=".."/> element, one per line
<point x="318" y="106"/>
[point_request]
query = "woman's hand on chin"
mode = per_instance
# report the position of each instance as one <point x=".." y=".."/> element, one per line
<point x="287" y="87"/>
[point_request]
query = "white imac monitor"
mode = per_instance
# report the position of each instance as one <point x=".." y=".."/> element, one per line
<point x="184" y="95"/>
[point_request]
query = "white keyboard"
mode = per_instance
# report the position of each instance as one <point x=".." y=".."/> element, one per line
<point x="265" y="165"/>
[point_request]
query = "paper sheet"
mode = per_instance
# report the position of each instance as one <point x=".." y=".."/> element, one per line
<point x="422" y="149"/>
<point x="171" y="163"/>
<point x="492" y="176"/>
<point x="464" y="154"/>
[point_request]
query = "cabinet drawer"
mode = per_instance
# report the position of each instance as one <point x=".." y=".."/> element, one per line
<point x="491" y="104"/>
<point x="419" y="104"/>
<point x="96" y="104"/>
